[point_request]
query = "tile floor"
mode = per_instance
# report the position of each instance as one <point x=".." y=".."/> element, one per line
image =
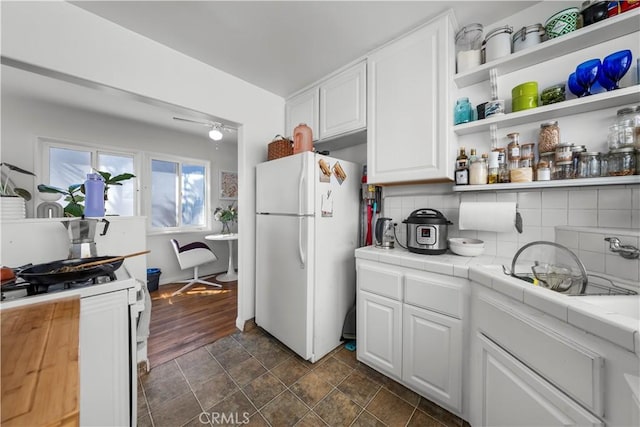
<point x="251" y="378"/>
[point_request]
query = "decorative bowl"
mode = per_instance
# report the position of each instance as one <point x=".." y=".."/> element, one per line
<point x="466" y="247"/>
<point x="562" y="22"/>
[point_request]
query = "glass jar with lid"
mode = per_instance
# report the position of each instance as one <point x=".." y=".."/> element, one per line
<point x="513" y="147"/>
<point x="550" y="160"/>
<point x="588" y="165"/>
<point x="564" y="170"/>
<point x="564" y="153"/>
<point x="626" y="127"/>
<point x="621" y="162"/>
<point x="549" y="136"/>
<point x="468" y="47"/>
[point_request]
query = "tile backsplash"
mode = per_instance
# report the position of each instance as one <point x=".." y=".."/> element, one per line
<point x="543" y="212"/>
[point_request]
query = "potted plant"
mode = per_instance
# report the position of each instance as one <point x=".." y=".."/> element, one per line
<point x="226" y="216"/>
<point x="6" y="187"/>
<point x="74" y="194"/>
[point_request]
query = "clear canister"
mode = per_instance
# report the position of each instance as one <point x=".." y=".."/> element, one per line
<point x="526" y="151"/>
<point x="564" y="170"/>
<point x="550" y="160"/>
<point x="468" y="47"/>
<point x="513" y="147"/>
<point x="621" y="162"/>
<point x="588" y="165"/>
<point x="626" y="127"/>
<point x="563" y="153"/>
<point x="549" y="136"/>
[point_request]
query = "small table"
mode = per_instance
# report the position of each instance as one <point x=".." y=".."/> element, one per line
<point x="231" y="274"/>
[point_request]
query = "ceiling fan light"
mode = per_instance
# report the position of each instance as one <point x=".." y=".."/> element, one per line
<point x="215" y="134"/>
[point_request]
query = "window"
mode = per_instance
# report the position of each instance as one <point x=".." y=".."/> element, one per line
<point x="67" y="164"/>
<point x="179" y="194"/>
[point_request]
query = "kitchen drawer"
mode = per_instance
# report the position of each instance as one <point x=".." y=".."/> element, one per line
<point x="444" y="295"/>
<point x="568" y="365"/>
<point x="380" y="279"/>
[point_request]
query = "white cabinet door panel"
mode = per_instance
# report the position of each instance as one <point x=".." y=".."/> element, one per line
<point x="408" y="126"/>
<point x="303" y="108"/>
<point x="343" y="102"/>
<point x="432" y="355"/>
<point x="104" y="360"/>
<point x="514" y="395"/>
<point x="379" y="332"/>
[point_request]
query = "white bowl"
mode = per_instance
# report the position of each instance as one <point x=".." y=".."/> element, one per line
<point x="49" y="197"/>
<point x="466" y="247"/>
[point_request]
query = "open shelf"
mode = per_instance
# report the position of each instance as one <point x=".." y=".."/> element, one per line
<point x="605" y="30"/>
<point x="614" y="98"/>
<point x="582" y="182"/>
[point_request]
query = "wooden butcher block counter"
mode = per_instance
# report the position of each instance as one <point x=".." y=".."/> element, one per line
<point x="40" y="372"/>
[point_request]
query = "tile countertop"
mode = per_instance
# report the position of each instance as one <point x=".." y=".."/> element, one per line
<point x="620" y="325"/>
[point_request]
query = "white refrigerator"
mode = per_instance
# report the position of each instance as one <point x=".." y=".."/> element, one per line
<point x="306" y="233"/>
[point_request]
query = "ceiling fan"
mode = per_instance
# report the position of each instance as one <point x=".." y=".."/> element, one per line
<point x="216" y="128"/>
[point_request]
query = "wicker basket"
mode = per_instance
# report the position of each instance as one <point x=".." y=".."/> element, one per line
<point x="277" y="148"/>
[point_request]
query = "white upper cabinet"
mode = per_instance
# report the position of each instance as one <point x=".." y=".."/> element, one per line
<point x="409" y="122"/>
<point x="334" y="107"/>
<point x="343" y="105"/>
<point x="302" y="108"/>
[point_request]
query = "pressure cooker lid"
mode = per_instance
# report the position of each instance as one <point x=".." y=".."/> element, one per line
<point x="426" y="216"/>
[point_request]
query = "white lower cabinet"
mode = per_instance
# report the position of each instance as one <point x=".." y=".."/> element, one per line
<point x="514" y="395"/>
<point x="105" y="383"/>
<point x="432" y="354"/>
<point x="408" y="329"/>
<point x="380" y="337"/>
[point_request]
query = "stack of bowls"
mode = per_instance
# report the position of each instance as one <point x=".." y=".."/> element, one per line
<point x="12" y="208"/>
<point x="524" y="96"/>
<point x="562" y="22"/>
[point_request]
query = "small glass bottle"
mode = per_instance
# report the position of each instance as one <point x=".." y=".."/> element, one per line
<point x="472" y="156"/>
<point x="462" y="168"/>
<point x="463" y="111"/>
<point x="513" y="148"/>
<point x="494" y="165"/>
<point x="478" y="171"/>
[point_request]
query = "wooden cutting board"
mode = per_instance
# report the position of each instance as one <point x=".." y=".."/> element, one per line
<point x="40" y="371"/>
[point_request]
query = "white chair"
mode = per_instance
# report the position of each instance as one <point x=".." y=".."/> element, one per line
<point x="193" y="255"/>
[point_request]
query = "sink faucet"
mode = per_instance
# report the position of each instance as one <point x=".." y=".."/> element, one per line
<point x="625" y="251"/>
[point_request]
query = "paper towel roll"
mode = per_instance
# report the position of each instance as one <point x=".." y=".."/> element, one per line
<point x="487" y="216"/>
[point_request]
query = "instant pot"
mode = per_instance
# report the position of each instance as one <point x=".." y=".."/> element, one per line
<point x="427" y="232"/>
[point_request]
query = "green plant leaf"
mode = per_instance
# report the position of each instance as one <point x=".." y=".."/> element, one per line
<point x="17" y="169"/>
<point x="23" y="193"/>
<point x="116" y="179"/>
<point x="73" y="209"/>
<point x="43" y="188"/>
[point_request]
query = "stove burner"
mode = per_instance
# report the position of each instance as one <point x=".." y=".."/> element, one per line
<point x="37" y="289"/>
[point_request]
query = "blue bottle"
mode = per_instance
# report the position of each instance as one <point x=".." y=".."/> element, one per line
<point x="463" y="111"/>
<point x="94" y="196"/>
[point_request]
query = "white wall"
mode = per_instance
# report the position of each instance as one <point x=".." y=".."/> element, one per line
<point x="62" y="37"/>
<point x="24" y="120"/>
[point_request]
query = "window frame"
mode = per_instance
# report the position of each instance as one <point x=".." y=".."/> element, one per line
<point x="180" y="160"/>
<point x="45" y="144"/>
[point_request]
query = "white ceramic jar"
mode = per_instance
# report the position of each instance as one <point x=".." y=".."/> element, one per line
<point x="498" y="43"/>
<point x="527" y="37"/>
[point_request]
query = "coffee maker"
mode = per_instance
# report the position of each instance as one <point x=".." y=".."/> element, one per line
<point x="81" y="234"/>
<point x="385" y="233"/>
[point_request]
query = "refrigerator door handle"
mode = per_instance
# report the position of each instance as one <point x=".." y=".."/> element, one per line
<point x="300" y="249"/>
<point x="301" y="182"/>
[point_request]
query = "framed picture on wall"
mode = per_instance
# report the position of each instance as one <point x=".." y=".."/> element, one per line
<point x="228" y="185"/>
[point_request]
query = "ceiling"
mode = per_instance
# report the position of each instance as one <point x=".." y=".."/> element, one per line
<point x="280" y="46"/>
<point x="283" y="46"/>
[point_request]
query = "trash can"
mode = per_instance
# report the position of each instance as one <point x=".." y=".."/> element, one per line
<point x="153" y="279"/>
